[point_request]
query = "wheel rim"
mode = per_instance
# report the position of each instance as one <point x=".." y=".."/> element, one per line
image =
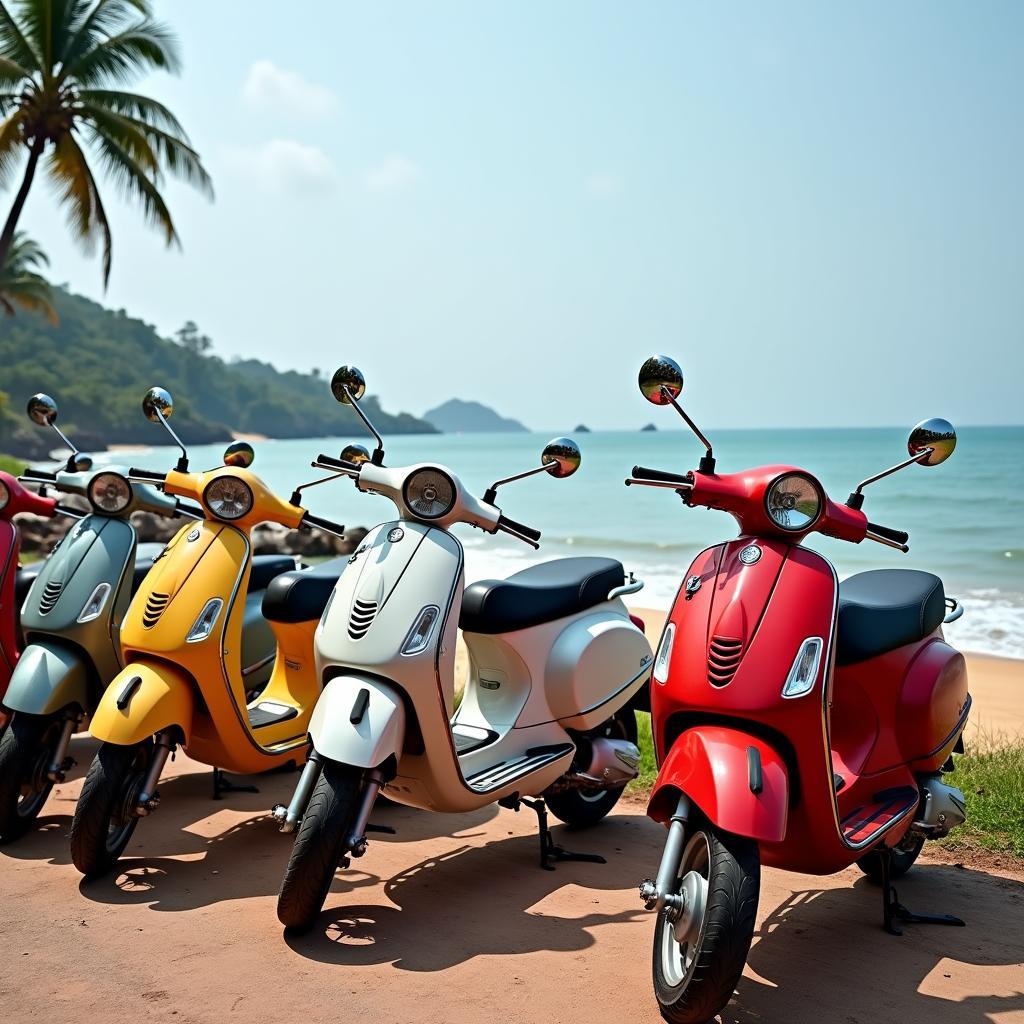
<point x="122" y="815"/>
<point x="36" y="787"/>
<point x="680" y="938"/>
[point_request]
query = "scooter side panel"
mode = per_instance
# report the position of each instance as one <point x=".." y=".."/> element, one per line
<point x="358" y="720"/>
<point x="712" y="765"/>
<point x="155" y="696"/>
<point x="49" y="676"/>
<point x="9" y="549"/>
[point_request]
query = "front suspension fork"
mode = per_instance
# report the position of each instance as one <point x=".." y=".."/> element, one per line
<point x="288" y="818"/>
<point x="60" y="762"/>
<point x="660" y="895"/>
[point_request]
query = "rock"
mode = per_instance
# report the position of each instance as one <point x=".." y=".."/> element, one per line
<point x="582" y="429"/>
<point x="646" y="430"/>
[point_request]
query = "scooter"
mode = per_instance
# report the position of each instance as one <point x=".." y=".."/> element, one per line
<point x="557" y="668"/>
<point x="188" y="662"/>
<point x="14" y="580"/>
<point x="798" y="721"/>
<point x="69" y="619"/>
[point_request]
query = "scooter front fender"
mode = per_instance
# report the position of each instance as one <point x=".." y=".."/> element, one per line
<point x="738" y="781"/>
<point x="47" y="678"/>
<point x="143" y="699"/>
<point x="358" y="720"/>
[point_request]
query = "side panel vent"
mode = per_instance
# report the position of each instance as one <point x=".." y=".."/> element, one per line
<point x="155" y="605"/>
<point x="363" y="614"/>
<point x="51" y="593"/>
<point x="724" y="656"/>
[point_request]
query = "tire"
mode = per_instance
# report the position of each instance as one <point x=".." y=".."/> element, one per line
<point x="903" y="858"/>
<point x="26" y="750"/>
<point x="581" y="808"/>
<point x="319" y="846"/>
<point x="103" y="825"/>
<point x="694" y="980"/>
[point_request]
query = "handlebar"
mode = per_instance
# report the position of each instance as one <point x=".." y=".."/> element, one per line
<point x="147" y="476"/>
<point x="323" y="524"/>
<point x="38" y="476"/>
<point x="327" y="462"/>
<point x="643" y="473"/>
<point x="896" y="536"/>
<point x="527" y="533"/>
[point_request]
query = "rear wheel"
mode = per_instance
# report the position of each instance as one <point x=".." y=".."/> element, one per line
<point x="903" y="858"/>
<point x="581" y="808"/>
<point x="26" y="751"/>
<point x="105" y="814"/>
<point x="698" y="957"/>
<point x="319" y="846"/>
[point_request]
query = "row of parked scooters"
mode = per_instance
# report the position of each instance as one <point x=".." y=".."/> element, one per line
<point x="798" y="722"/>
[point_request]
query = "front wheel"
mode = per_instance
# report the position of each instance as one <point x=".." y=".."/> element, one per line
<point x="105" y="814"/>
<point x="26" y="751"/>
<point x="319" y="846"/>
<point x="699" y="957"/>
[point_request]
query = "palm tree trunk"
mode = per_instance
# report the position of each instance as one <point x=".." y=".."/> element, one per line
<point x="19" y="200"/>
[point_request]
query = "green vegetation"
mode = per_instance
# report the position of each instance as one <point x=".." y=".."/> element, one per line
<point x="98" y="364"/>
<point x="21" y="284"/>
<point x="62" y="63"/>
<point x="11" y="465"/>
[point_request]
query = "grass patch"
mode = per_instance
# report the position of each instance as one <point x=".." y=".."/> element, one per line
<point x="9" y="464"/>
<point x="642" y="784"/>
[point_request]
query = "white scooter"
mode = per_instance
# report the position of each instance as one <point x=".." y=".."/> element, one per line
<point x="557" y="668"/>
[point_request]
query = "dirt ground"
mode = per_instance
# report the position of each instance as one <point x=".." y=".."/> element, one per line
<point x="452" y="920"/>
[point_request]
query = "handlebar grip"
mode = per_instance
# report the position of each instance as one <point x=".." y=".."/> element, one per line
<point x="41" y="475"/>
<point x="896" y="536"/>
<point x="511" y="524"/>
<point x="192" y="510"/>
<point x="342" y="464"/>
<point x="147" y="474"/>
<point x="643" y="473"/>
<point x="323" y="524"/>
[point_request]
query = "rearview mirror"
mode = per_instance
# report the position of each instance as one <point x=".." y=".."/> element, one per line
<point x="935" y="434"/>
<point x="157" y="403"/>
<point x="561" y="457"/>
<point x="348" y="384"/>
<point x="356" y="453"/>
<point x="660" y="380"/>
<point x="42" y="410"/>
<point x="239" y="454"/>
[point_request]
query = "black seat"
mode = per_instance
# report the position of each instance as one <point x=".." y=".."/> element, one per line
<point x="266" y="568"/>
<point x="301" y="595"/>
<point x="884" y="609"/>
<point x="539" y="594"/>
<point x="23" y="582"/>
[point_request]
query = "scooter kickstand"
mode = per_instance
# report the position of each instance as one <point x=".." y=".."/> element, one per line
<point x="893" y="910"/>
<point x="549" y="849"/>
<point x="222" y="784"/>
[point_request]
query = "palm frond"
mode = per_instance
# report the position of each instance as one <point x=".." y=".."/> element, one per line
<point x="20" y="283"/>
<point x="139" y="48"/>
<point x="133" y="105"/>
<point x="70" y="174"/>
<point x="91" y="26"/>
<point x="26" y="254"/>
<point x="130" y="135"/>
<point x="13" y="43"/>
<point x="12" y="145"/>
<point x="11" y="72"/>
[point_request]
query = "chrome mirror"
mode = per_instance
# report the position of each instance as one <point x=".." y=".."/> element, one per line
<point x="239" y="454"/>
<point x="356" y="453"/>
<point x="80" y="463"/>
<point x="561" y="457"/>
<point x="348" y="384"/>
<point x="157" y="404"/>
<point x="660" y="380"/>
<point x="936" y="437"/>
<point x="42" y="410"/>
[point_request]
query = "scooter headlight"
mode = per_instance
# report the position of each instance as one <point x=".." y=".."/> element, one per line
<point x="429" y="493"/>
<point x="110" y="493"/>
<point x="5" y="495"/>
<point x="228" y="497"/>
<point x="794" y="502"/>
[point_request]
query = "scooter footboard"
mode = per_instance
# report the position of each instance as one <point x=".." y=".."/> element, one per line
<point x="738" y="781"/>
<point x="358" y="720"/>
<point x="143" y="699"/>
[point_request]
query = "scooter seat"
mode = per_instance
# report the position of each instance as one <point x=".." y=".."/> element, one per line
<point x="884" y="609"/>
<point x="24" y="580"/>
<point x="301" y="595"/>
<point x="539" y="594"/>
<point x="266" y="568"/>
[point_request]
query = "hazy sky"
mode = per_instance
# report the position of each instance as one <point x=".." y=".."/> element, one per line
<point x="818" y="209"/>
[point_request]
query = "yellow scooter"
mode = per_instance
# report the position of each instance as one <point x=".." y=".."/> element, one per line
<point x="181" y="638"/>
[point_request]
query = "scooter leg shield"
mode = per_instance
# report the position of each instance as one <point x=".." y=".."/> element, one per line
<point x="358" y="721"/>
<point x="737" y="780"/>
<point x="142" y="700"/>
<point x="47" y="677"/>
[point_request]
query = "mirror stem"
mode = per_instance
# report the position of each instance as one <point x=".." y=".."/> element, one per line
<point x="856" y="499"/>
<point x="707" y="463"/>
<point x="74" y="450"/>
<point x="182" y="466"/>
<point x="296" y="498"/>
<point x="378" y="453"/>
<point x="492" y="492"/>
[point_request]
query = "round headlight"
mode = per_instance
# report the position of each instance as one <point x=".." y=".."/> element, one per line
<point x="110" y="493"/>
<point x="793" y="502"/>
<point x="228" y="497"/>
<point x="5" y="495"/>
<point x="429" y="493"/>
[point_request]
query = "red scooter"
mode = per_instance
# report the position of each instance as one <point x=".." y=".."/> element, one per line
<point x="14" y="584"/>
<point x="799" y="722"/>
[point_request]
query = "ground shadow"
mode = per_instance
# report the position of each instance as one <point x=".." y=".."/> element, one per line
<point x="822" y="954"/>
<point x="479" y="900"/>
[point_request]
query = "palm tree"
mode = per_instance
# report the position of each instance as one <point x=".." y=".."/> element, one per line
<point x="61" y="65"/>
<point x="21" y="284"/>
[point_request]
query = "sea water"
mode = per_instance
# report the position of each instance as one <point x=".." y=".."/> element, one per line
<point x="965" y="517"/>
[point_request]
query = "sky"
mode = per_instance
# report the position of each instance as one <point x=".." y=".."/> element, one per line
<point x="817" y="209"/>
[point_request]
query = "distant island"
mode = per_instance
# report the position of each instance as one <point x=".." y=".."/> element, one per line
<point x="98" y="363"/>
<point x="582" y="429"/>
<point x="458" y="417"/>
<point x="648" y="428"/>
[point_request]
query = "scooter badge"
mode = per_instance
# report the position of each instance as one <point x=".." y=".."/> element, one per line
<point x="692" y="586"/>
<point x="396" y="534"/>
<point x="750" y="554"/>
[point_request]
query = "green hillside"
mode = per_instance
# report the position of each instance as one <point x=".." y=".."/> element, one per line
<point x="97" y="364"/>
